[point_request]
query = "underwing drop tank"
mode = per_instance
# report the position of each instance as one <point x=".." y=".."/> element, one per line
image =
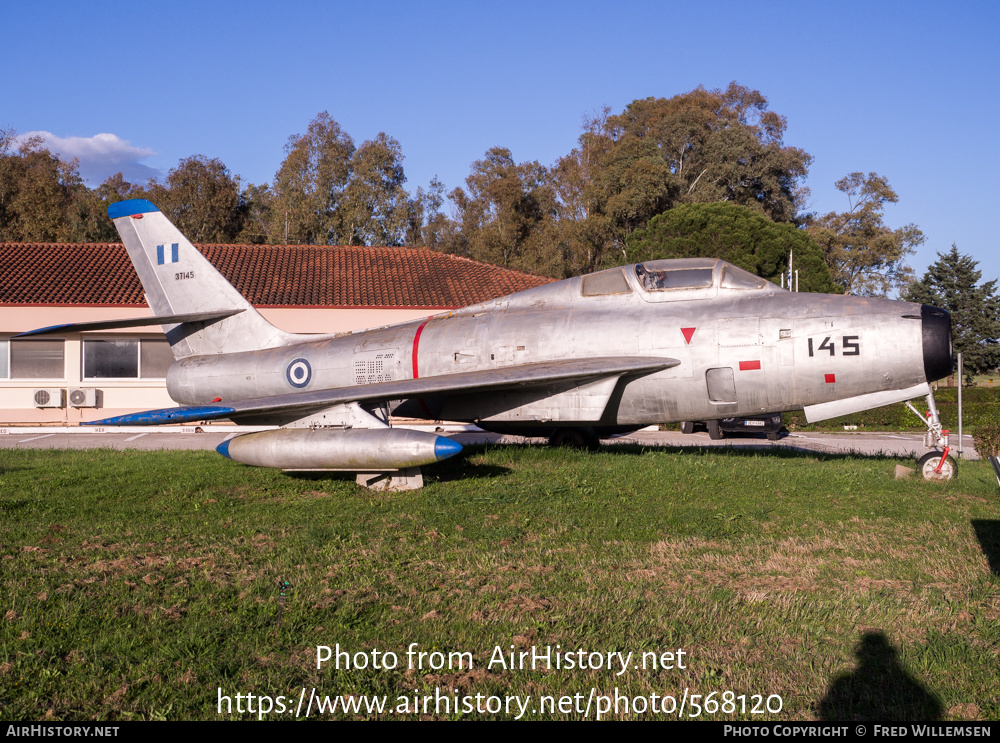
<point x="350" y="449"/>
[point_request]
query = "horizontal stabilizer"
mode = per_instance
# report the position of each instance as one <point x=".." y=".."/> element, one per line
<point x="508" y="377"/>
<point x="132" y="322"/>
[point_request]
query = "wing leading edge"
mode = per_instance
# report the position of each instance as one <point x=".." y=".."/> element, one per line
<point x="511" y="377"/>
<point x="130" y="322"/>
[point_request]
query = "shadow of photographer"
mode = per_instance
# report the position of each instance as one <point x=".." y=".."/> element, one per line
<point x="880" y="688"/>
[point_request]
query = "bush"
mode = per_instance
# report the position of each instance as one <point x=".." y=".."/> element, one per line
<point x="980" y="407"/>
<point x="987" y="439"/>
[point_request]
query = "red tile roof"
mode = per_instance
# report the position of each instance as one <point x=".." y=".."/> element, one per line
<point x="267" y="275"/>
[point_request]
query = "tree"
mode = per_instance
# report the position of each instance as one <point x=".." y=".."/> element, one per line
<point x="202" y="198"/>
<point x="427" y="225"/>
<point x="375" y="206"/>
<point x="115" y="188"/>
<point x="329" y="192"/>
<point x="952" y="283"/>
<point x="699" y="147"/>
<point x="506" y="216"/>
<point x="310" y="183"/>
<point x="736" y="234"/>
<point x="87" y="217"/>
<point x="866" y="257"/>
<point x="256" y="214"/>
<point x="43" y="199"/>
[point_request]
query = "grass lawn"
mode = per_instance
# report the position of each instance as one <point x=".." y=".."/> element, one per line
<point x="140" y="585"/>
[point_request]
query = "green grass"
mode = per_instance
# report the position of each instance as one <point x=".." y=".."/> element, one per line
<point x="135" y="585"/>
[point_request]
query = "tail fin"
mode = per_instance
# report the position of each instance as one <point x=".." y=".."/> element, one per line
<point x="179" y="280"/>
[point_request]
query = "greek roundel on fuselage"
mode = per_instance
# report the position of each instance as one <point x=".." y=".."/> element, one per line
<point x="298" y="373"/>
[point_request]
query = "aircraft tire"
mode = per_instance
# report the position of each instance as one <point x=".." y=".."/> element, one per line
<point x="687" y="427"/>
<point x="928" y="464"/>
<point x="714" y="430"/>
<point x="575" y="438"/>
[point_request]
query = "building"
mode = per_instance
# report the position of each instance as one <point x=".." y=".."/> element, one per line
<point x="74" y="377"/>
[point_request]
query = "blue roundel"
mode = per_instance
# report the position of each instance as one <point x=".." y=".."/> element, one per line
<point x="298" y="373"/>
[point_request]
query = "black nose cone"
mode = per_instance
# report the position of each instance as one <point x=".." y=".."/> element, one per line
<point x="936" y="325"/>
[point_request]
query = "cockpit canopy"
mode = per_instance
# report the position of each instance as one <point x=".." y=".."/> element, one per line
<point x="673" y="278"/>
<point x="694" y="273"/>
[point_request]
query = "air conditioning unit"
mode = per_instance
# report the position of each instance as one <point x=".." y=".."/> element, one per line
<point x="80" y="397"/>
<point x="51" y="397"/>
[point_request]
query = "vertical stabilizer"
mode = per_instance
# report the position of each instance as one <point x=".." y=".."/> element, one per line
<point x="179" y="280"/>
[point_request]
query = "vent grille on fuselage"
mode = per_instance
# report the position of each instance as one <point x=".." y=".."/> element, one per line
<point x="375" y="368"/>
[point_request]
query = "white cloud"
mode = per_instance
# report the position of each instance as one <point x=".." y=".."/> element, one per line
<point x="100" y="156"/>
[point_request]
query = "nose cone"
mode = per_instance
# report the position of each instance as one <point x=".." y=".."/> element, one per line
<point x="936" y="330"/>
<point x="445" y="447"/>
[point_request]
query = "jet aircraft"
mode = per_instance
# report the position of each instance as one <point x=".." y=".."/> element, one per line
<point x="591" y="356"/>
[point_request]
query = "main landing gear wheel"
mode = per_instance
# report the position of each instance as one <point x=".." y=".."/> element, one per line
<point x="575" y="438"/>
<point x="687" y="427"/>
<point x="928" y="465"/>
<point x="714" y="430"/>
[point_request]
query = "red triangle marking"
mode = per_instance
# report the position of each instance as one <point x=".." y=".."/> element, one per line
<point x="688" y="332"/>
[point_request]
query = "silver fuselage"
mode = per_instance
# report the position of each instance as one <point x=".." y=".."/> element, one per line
<point x="742" y="351"/>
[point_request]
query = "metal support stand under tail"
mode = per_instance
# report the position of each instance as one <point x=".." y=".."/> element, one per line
<point x="935" y="465"/>
<point x="392" y="482"/>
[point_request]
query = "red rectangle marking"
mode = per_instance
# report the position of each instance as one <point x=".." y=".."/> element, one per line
<point x="748" y="365"/>
<point x="831" y="378"/>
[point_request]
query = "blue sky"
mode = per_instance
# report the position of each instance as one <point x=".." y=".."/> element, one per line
<point x="905" y="89"/>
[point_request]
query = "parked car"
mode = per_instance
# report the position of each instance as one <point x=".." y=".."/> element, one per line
<point x="767" y="424"/>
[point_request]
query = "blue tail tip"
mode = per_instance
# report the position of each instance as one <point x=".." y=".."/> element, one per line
<point x="223" y="448"/>
<point x="130" y="208"/>
<point x="444" y="448"/>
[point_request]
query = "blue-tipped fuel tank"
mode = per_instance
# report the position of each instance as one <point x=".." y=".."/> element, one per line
<point x="349" y="449"/>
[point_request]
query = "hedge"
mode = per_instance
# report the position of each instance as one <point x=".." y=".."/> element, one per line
<point x="980" y="407"/>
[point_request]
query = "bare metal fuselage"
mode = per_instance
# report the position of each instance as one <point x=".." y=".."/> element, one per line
<point x="741" y="352"/>
<point x="664" y="340"/>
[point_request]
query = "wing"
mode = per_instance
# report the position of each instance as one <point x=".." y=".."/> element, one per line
<point x="579" y="371"/>
<point x="131" y="322"/>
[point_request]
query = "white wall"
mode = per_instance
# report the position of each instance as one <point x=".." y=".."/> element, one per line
<point x="121" y="396"/>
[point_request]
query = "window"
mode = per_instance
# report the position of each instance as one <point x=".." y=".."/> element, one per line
<point x="111" y="359"/>
<point x="155" y="357"/>
<point x="737" y="278"/>
<point x="35" y="359"/>
<point x="658" y="280"/>
<point x="605" y="282"/>
<point x="3" y="360"/>
<point x="126" y="359"/>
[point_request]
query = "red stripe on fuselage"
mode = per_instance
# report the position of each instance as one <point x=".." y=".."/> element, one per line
<point x="416" y="368"/>
<point x="416" y="343"/>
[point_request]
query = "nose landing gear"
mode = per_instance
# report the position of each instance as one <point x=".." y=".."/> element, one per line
<point x="935" y="465"/>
